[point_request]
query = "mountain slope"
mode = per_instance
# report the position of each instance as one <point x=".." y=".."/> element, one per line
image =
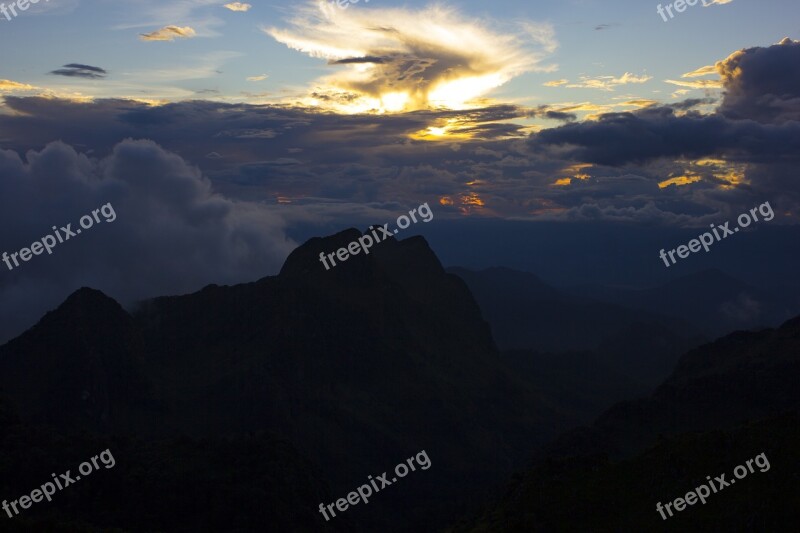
<point x="700" y="421"/>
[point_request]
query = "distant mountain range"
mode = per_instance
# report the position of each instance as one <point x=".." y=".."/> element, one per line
<point x="592" y="346"/>
<point x="713" y="301"/>
<point x="726" y="402"/>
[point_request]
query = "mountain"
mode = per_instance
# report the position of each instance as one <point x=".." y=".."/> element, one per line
<point x="358" y="367"/>
<point x="82" y="365"/>
<point x="177" y="484"/>
<point x="714" y="301"/>
<point x="726" y="402"/>
<point x="583" y="353"/>
<point x="527" y="314"/>
<point x="593" y="493"/>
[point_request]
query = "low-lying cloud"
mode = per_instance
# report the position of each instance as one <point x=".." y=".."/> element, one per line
<point x="172" y="234"/>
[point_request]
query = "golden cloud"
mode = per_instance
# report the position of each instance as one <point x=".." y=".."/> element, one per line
<point x="702" y="71"/>
<point x="697" y="84"/>
<point x="399" y="59"/>
<point x="13" y="86"/>
<point x="608" y="83"/>
<point x="168" y="33"/>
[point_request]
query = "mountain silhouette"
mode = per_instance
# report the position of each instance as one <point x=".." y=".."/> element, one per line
<point x="358" y="367"/>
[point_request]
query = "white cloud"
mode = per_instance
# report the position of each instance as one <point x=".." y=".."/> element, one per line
<point x="238" y="6"/>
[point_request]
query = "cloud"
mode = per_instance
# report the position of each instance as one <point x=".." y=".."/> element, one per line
<point x="168" y="33"/>
<point x="555" y="83"/>
<point x="762" y="84"/>
<point x="172" y="232"/>
<point x="13" y="86"/>
<point x="640" y="102"/>
<point x="697" y="84"/>
<point x="608" y="83"/>
<point x="657" y="132"/>
<point x="260" y="77"/>
<point x="238" y="6"/>
<point x="333" y="169"/>
<point x="395" y="59"/>
<point x="746" y="151"/>
<point x="702" y="71"/>
<point x="77" y="70"/>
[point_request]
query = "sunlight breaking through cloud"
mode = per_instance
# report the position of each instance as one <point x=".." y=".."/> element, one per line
<point x="397" y="59"/>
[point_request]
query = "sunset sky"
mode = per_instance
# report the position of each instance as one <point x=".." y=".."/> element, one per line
<point x="227" y="135"/>
<point x="592" y="44"/>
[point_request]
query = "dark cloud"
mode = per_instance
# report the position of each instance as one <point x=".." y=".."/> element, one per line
<point x="352" y="60"/>
<point x="751" y="146"/>
<point x="617" y="139"/>
<point x="77" y="70"/>
<point x="757" y="118"/>
<point x="691" y="103"/>
<point x="560" y="115"/>
<point x="762" y="84"/>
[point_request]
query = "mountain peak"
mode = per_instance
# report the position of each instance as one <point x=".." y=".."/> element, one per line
<point x="385" y="255"/>
<point x="87" y="296"/>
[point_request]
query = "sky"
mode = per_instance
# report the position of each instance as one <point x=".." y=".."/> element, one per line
<point x="225" y="135"/>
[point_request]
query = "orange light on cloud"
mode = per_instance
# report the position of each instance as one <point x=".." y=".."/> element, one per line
<point x="472" y="199"/>
<point x="679" y="181"/>
<point x="574" y="173"/>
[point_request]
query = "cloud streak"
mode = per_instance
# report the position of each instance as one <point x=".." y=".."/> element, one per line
<point x="77" y="70"/>
<point x="168" y="33"/>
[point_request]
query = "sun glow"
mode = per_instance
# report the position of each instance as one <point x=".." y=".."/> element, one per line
<point x="455" y="94"/>
<point x="446" y="132"/>
<point x="394" y="102"/>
